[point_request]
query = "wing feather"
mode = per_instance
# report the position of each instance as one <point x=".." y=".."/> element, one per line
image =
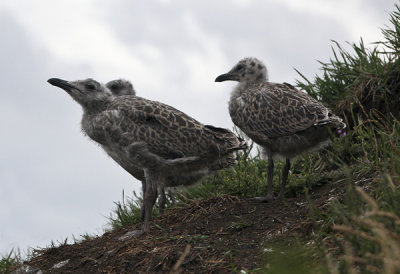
<point x="276" y="110"/>
<point x="165" y="130"/>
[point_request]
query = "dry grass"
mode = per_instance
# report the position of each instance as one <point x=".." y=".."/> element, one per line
<point x="375" y="228"/>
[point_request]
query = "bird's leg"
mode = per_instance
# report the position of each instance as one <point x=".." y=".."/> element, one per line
<point x="143" y="193"/>
<point x="149" y="188"/>
<point x="285" y="173"/>
<point x="161" y="200"/>
<point x="270" y="194"/>
<point x="150" y="197"/>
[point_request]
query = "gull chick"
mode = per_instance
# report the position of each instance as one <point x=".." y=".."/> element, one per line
<point x="121" y="87"/>
<point x="157" y="138"/>
<point x="284" y="121"/>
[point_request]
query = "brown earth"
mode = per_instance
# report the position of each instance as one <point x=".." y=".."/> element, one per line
<point x="216" y="235"/>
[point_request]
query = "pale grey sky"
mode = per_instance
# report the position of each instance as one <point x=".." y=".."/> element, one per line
<point x="54" y="181"/>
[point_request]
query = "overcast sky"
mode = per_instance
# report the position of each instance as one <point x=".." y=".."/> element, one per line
<point x="55" y="183"/>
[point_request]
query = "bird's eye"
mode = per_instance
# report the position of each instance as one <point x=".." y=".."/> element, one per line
<point x="90" y="87"/>
<point x="239" y="67"/>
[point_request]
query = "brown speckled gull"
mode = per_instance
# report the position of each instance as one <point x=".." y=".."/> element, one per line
<point x="121" y="87"/>
<point x="163" y="140"/>
<point x="284" y="121"/>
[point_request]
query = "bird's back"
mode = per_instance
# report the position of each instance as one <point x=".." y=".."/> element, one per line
<point x="282" y="118"/>
<point x="167" y="132"/>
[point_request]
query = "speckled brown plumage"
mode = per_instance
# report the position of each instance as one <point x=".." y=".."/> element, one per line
<point x="121" y="87"/>
<point x="283" y="120"/>
<point x="162" y="140"/>
<point x="168" y="132"/>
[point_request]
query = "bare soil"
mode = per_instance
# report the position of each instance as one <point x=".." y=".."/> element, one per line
<point x="216" y="235"/>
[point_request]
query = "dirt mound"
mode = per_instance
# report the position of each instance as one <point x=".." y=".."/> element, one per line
<point x="212" y="235"/>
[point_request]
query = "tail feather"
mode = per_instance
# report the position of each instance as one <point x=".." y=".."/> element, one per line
<point x="224" y="162"/>
<point x="333" y="121"/>
<point x="229" y="141"/>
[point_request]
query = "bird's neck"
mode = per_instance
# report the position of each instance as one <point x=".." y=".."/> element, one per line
<point x="240" y="88"/>
<point x="90" y="124"/>
<point x="96" y="106"/>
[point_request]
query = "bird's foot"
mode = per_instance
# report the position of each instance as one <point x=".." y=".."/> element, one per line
<point x="266" y="199"/>
<point x="131" y="234"/>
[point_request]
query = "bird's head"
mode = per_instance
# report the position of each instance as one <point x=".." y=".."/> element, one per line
<point x="248" y="70"/>
<point x="90" y="94"/>
<point x="121" y="87"/>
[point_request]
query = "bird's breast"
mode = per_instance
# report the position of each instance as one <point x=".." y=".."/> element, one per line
<point x="93" y="128"/>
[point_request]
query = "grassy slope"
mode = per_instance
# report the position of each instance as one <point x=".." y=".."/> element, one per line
<point x="361" y="230"/>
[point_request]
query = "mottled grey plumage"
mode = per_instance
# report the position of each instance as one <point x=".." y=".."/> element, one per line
<point x="283" y="120"/>
<point x="122" y="87"/>
<point x="163" y="140"/>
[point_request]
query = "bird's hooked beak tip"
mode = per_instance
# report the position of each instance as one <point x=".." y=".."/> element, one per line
<point x="54" y="81"/>
<point x="60" y="83"/>
<point x="225" y="77"/>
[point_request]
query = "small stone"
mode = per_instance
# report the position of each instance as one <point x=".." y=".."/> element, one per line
<point x="60" y="264"/>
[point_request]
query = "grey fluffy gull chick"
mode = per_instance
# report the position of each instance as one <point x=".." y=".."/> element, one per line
<point x="121" y="87"/>
<point x="164" y="140"/>
<point x="284" y="121"/>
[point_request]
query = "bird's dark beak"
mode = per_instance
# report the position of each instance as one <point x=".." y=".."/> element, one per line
<point x="226" y="77"/>
<point x="65" y="85"/>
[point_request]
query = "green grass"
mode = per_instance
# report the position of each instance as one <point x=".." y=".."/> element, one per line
<point x="127" y="211"/>
<point x="355" y="83"/>
<point x="361" y="231"/>
<point x="9" y="261"/>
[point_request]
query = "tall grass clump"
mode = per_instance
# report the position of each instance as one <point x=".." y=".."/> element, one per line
<point x="361" y="229"/>
<point x="363" y="80"/>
